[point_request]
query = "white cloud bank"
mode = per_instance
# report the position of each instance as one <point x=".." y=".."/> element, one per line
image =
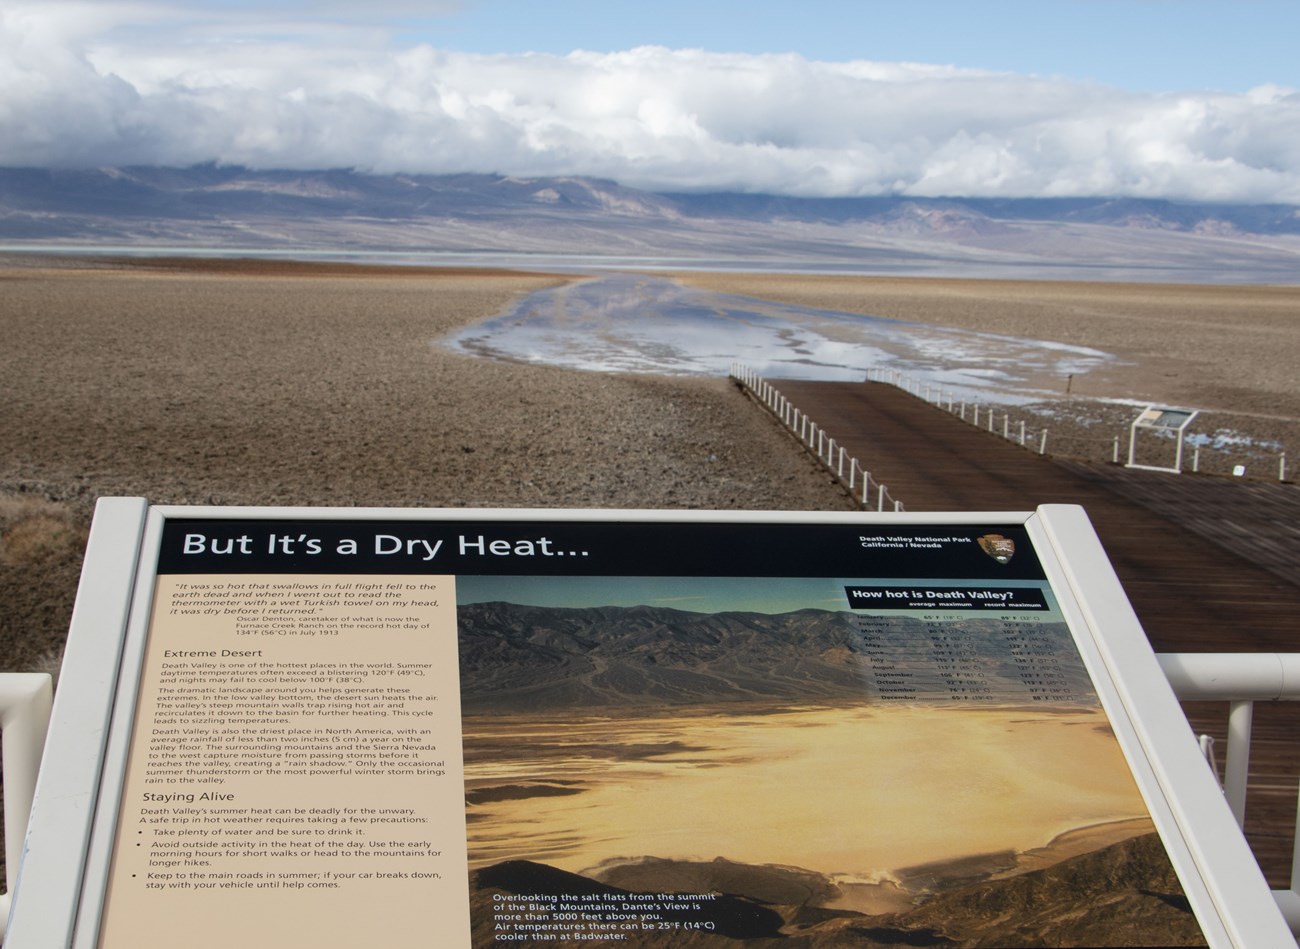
<point x="90" y="84"/>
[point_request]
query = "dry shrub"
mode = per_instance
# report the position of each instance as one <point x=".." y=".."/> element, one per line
<point x="41" y="546"/>
<point x="34" y="530"/>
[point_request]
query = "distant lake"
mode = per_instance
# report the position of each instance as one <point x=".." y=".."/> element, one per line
<point x="638" y="323"/>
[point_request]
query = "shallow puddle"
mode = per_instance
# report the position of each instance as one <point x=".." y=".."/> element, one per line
<point x="638" y="323"/>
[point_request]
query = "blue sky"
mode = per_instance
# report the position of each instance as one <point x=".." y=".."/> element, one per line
<point x="1179" y="99"/>
<point x="1144" y="45"/>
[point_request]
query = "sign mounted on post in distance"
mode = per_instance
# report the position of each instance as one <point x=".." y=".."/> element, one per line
<point x="1164" y="423"/>
<point x="482" y="728"/>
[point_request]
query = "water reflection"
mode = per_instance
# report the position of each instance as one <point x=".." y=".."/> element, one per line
<point x="638" y="323"/>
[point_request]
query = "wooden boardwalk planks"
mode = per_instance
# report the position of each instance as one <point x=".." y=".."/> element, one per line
<point x="1209" y="564"/>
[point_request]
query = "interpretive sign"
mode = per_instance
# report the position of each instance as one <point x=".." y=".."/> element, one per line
<point x="412" y="729"/>
<point x="1170" y="423"/>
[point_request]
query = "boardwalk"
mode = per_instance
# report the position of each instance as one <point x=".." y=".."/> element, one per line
<point x="1209" y="565"/>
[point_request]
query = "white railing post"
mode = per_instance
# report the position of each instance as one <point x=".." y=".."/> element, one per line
<point x="1240" y="716"/>
<point x="1042" y="443"/>
<point x="1281" y="467"/>
<point x="1241" y="679"/>
<point x="25" y="700"/>
<point x="1294" y="917"/>
<point x="828" y="451"/>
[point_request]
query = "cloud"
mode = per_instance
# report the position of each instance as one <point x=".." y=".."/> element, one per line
<point x="99" y="83"/>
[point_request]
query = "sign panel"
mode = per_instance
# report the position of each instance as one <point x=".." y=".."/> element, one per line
<point x="1174" y="419"/>
<point x="297" y="744"/>
<point x="663" y="730"/>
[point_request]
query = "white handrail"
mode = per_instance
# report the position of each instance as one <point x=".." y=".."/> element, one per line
<point x="913" y="387"/>
<point x="815" y="439"/>
<point x="1238" y="678"/>
<point x="25" y="700"/>
<point x="1233" y="676"/>
<point x="1241" y="679"/>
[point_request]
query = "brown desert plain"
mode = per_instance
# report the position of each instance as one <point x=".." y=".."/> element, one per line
<point x="247" y="382"/>
<point x="279" y="383"/>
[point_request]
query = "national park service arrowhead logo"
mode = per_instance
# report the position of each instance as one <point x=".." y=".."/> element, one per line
<point x="1000" y="548"/>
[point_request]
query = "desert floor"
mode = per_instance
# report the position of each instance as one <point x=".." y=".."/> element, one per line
<point x="1231" y="352"/>
<point x="1215" y="348"/>
<point x="265" y="384"/>
<point x="744" y="780"/>
<point x="236" y="382"/>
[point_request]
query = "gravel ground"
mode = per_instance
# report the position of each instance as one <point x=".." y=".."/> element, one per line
<point x="261" y="384"/>
<point x="237" y="382"/>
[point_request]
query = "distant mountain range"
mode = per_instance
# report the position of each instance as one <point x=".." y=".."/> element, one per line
<point x="528" y="658"/>
<point x="344" y="212"/>
<point x="516" y="658"/>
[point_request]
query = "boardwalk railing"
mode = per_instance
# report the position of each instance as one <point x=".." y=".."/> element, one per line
<point x="986" y="417"/>
<point x="869" y="493"/>
<point x="1032" y="434"/>
<point x="1241" y="680"/>
<point x="1238" y="678"/>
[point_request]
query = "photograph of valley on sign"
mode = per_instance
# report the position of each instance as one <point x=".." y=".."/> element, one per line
<point x="648" y="775"/>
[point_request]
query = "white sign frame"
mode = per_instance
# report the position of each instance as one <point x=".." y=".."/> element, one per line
<point x="60" y="893"/>
<point x="1156" y="418"/>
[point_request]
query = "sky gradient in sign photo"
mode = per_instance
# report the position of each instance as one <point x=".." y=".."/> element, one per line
<point x="1180" y="99"/>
